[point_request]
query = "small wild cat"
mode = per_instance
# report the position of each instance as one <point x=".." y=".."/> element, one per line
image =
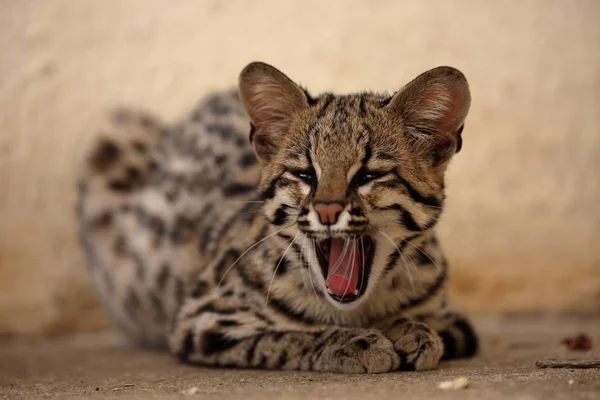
<point x="310" y="246"/>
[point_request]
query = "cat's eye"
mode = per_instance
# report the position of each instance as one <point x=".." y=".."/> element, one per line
<point x="364" y="176"/>
<point x="304" y="174"/>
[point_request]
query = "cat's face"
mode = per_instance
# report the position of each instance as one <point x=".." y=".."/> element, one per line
<point x="357" y="175"/>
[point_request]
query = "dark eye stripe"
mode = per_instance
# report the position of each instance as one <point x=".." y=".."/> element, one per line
<point x="364" y="176"/>
<point x="306" y="175"/>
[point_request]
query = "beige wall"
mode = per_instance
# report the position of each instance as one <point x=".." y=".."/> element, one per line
<point x="523" y="223"/>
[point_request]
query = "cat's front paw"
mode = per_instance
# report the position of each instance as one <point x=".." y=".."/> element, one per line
<point x="418" y="347"/>
<point x="356" y="351"/>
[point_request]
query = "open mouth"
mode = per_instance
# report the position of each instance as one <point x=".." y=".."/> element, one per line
<point x="346" y="266"/>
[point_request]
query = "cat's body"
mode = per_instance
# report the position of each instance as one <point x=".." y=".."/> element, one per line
<point x="319" y="254"/>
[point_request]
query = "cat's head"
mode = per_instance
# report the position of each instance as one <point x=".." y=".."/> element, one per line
<point x="356" y="175"/>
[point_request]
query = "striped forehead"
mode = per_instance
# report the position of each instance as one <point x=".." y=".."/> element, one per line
<point x="342" y="132"/>
<point x="339" y="132"/>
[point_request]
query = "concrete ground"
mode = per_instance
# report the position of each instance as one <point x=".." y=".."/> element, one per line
<point x="101" y="366"/>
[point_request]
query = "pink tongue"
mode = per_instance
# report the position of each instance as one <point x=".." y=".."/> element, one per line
<point x="342" y="273"/>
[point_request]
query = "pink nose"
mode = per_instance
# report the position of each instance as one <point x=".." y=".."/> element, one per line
<point x="328" y="212"/>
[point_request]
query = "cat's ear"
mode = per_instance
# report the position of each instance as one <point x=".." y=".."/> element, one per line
<point x="435" y="104"/>
<point x="271" y="99"/>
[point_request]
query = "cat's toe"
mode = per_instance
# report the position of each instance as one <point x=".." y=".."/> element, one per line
<point x="418" y="347"/>
<point x="368" y="352"/>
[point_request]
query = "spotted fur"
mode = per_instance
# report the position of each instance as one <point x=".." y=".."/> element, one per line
<point x="204" y="240"/>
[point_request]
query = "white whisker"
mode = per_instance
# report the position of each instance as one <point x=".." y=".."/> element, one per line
<point x="410" y="278"/>
<point x="277" y="267"/>
<point x="250" y="248"/>
<point x="351" y="268"/>
<point x="309" y="269"/>
<point x="362" y="276"/>
<point x="427" y="255"/>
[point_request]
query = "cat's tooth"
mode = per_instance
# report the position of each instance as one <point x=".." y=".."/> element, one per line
<point x="355" y="292"/>
<point x="330" y="291"/>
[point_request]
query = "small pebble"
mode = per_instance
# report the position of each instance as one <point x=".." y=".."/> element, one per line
<point x="571" y="382"/>
<point x="459" y="383"/>
<point x="191" y="391"/>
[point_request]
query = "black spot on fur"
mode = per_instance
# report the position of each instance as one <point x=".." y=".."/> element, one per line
<point x="363" y="344"/>
<point x="105" y="155"/>
<point x="408" y="222"/>
<point x="404" y="364"/>
<point x="262" y="364"/>
<point x="133" y="174"/>
<point x="183" y="231"/>
<point x="120" y="186"/>
<point x="311" y="101"/>
<point x="392" y="260"/>
<point x="248" y="160"/>
<point x="281" y="266"/>
<point x="210" y="308"/>
<point x="214" y="342"/>
<point x="280" y="215"/>
<point x="357" y="212"/>
<point x="269" y="192"/>
<point x="226" y="132"/>
<point x="282" y="360"/>
<point x="228" y="322"/>
<point x="139" y="146"/>
<point x="250" y="281"/>
<point x="200" y="289"/>
<point x="328" y="99"/>
<point x="217" y="106"/>
<point x="187" y="347"/>
<point x="471" y="343"/>
<point x="252" y="348"/>
<point x="104" y="220"/>
<point x="283" y="308"/>
<point x="418" y="196"/>
<point x="449" y="345"/>
<point x="421" y="257"/>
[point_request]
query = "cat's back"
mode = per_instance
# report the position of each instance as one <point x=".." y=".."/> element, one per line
<point x="154" y="199"/>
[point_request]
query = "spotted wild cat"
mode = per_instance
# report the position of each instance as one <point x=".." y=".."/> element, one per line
<point x="310" y="246"/>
